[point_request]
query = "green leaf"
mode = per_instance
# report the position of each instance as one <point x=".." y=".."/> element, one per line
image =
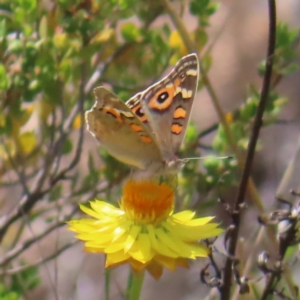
<point x="211" y="163"/>
<point x="201" y="37"/>
<point x="289" y="69"/>
<point x="43" y="28"/>
<point x="4" y="79"/>
<point x="248" y="110"/>
<point x="290" y="253"/>
<point x="74" y="181"/>
<point x="15" y="46"/>
<point x="167" y="30"/>
<point x="197" y="7"/>
<point x="91" y="163"/>
<point x="6" y="294"/>
<point x="5" y="124"/>
<point x="212" y="8"/>
<point x="130" y="32"/>
<point x="191" y="133"/>
<point x="206" y="62"/>
<point x="66" y="70"/>
<point x="55" y="193"/>
<point x="67" y="147"/>
<point x="285" y="36"/>
<point x="3" y="28"/>
<point x="27" y="5"/>
<point x="25" y="280"/>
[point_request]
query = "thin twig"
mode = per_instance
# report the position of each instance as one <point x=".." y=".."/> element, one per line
<point x="41" y="261"/>
<point x="20" y="248"/>
<point x="20" y="175"/>
<point x="232" y="242"/>
<point x="37" y="191"/>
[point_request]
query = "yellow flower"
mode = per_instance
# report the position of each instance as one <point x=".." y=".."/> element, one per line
<point x="77" y="122"/>
<point x="229" y="118"/>
<point x="175" y="41"/>
<point x="144" y="231"/>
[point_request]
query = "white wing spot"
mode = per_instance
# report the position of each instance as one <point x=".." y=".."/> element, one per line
<point x="178" y="90"/>
<point x="127" y="114"/>
<point x="184" y="93"/>
<point x="192" y="72"/>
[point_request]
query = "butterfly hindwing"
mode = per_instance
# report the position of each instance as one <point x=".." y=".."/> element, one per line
<point x="120" y="131"/>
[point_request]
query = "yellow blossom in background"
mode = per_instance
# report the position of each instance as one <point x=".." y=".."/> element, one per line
<point x="229" y="118"/>
<point x="20" y="120"/>
<point x="103" y="36"/>
<point x="27" y="142"/>
<point x="144" y="231"/>
<point x="175" y="41"/>
<point x="77" y="122"/>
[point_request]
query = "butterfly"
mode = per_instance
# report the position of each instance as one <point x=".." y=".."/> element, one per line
<point x="147" y="131"/>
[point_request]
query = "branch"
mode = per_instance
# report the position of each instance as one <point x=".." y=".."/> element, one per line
<point x="240" y="199"/>
<point x="37" y="191"/>
<point x="40" y="261"/>
<point x="232" y="143"/>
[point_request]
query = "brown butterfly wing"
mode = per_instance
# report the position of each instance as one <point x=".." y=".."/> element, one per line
<point x="168" y="104"/>
<point x="119" y="130"/>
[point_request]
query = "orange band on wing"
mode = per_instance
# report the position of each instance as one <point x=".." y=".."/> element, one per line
<point x="146" y="139"/>
<point x="136" y="128"/>
<point x="176" y="128"/>
<point x="114" y="113"/>
<point x="179" y="113"/>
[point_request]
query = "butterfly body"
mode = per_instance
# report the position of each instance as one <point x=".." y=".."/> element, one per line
<point x="147" y="131"/>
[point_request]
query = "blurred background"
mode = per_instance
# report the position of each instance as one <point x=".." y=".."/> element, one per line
<point x="53" y="54"/>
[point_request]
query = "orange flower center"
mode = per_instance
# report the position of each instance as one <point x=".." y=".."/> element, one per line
<point x="147" y="201"/>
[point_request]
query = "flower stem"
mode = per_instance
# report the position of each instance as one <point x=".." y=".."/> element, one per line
<point x="107" y="283"/>
<point x="135" y="283"/>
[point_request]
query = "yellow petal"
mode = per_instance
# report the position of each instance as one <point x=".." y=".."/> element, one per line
<point x="200" y="251"/>
<point x="162" y="248"/>
<point x="179" y="246"/>
<point x="187" y="233"/>
<point x="141" y="249"/>
<point x="152" y="236"/>
<point x="105" y="208"/>
<point x="184" y="216"/>
<point x="116" y="258"/>
<point x="87" y="221"/>
<point x="93" y="250"/>
<point x="102" y="240"/>
<point x="78" y="226"/>
<point x="134" y="231"/>
<point x="211" y="233"/>
<point x="199" y="221"/>
<point x="155" y="269"/>
<point x="175" y="246"/>
<point x="166" y="261"/>
<point x="120" y="231"/>
<point x="116" y="246"/>
<point x="89" y="211"/>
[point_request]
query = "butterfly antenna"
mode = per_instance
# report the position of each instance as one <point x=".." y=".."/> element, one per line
<point x="185" y="160"/>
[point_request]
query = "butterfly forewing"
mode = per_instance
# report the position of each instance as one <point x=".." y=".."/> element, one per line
<point x="168" y="103"/>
